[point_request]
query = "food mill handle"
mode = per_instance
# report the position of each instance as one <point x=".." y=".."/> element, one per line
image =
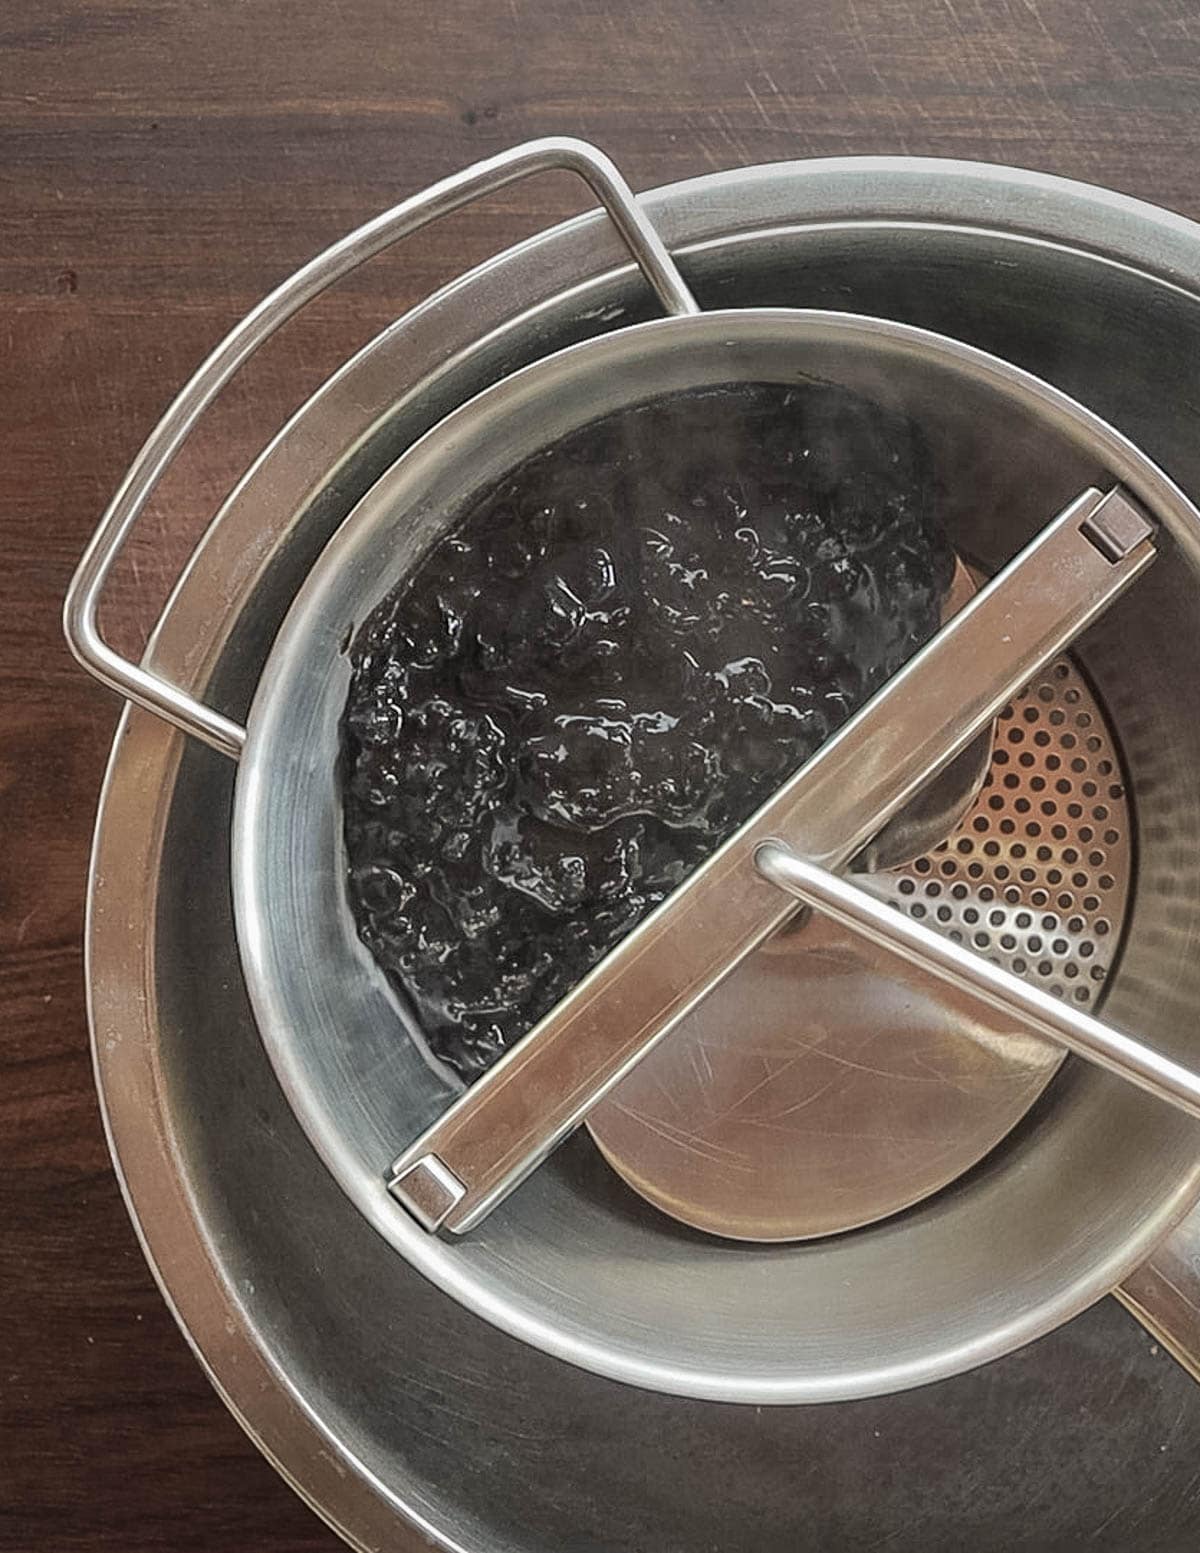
<point x="854" y="908"/>
<point x="83" y="596"/>
<point x="503" y="1127"/>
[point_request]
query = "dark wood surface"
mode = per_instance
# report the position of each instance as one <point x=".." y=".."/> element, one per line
<point x="162" y="163"/>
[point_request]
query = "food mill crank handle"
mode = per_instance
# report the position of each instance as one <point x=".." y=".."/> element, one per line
<point x="504" y="1126"/>
<point x="968" y="972"/>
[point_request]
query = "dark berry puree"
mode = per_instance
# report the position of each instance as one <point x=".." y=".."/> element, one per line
<point x="604" y="668"/>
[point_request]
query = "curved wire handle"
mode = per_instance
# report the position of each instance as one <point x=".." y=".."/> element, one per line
<point x="83" y="596"/>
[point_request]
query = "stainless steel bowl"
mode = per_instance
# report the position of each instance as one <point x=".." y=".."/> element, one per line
<point x="380" y="1399"/>
<point x="996" y="1261"/>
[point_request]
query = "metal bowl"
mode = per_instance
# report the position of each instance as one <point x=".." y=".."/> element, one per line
<point x="378" y="1397"/>
<point x="591" y="1276"/>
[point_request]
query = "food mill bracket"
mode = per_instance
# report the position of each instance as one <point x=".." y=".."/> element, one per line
<point x="488" y="1141"/>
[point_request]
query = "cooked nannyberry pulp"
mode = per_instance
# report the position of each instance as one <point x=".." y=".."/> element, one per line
<point x="607" y="665"/>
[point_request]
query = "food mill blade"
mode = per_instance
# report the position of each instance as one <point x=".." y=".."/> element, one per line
<point x="489" y="1140"/>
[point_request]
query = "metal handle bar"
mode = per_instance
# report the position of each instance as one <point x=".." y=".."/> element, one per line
<point x="854" y="908"/>
<point x="83" y="596"/>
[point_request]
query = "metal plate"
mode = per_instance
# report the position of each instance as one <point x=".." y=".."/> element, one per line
<point x="393" y="1398"/>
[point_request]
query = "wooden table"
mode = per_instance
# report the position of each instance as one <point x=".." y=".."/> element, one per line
<point x="162" y="165"/>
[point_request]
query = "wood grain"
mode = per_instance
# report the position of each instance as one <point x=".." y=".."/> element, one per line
<point x="161" y="165"/>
